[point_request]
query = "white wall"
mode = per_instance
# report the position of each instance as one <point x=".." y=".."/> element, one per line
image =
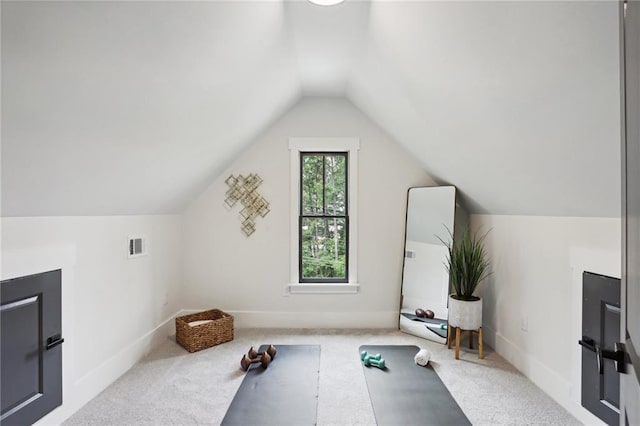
<point x="114" y="309"/>
<point x="537" y="265"/>
<point x="247" y="276"/>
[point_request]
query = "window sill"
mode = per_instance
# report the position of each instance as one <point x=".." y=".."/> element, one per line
<point x="311" y="288"/>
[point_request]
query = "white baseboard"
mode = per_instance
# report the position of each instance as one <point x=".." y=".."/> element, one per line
<point x="279" y="319"/>
<point x="556" y="386"/>
<point x="94" y="382"/>
<point x="91" y="384"/>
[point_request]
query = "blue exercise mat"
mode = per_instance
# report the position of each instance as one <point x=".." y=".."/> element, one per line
<point x="406" y="394"/>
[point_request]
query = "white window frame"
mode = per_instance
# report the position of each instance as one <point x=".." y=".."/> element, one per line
<point x="350" y="146"/>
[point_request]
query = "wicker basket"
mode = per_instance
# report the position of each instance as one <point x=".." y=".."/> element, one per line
<point x="206" y="335"/>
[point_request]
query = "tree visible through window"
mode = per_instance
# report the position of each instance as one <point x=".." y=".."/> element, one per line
<point x="324" y="219"/>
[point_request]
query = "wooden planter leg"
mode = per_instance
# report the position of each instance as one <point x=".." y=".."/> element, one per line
<point x="470" y="339"/>
<point x="480" y="344"/>
<point x="458" y="332"/>
<point x="449" y="337"/>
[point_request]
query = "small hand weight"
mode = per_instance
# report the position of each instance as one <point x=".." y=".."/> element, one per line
<point x="264" y="360"/>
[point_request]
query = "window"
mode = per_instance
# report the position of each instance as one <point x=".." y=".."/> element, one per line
<point x="324" y="215"/>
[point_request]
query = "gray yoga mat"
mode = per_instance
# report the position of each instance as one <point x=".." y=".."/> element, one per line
<point x="405" y="393"/>
<point x="437" y="330"/>
<point x="423" y="319"/>
<point x="285" y="393"/>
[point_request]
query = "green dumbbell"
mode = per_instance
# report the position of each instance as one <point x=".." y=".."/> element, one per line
<point x="369" y="361"/>
<point x="364" y="354"/>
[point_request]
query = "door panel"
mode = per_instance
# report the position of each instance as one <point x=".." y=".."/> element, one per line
<point x="22" y="364"/>
<point x="630" y="318"/>
<point x="31" y="369"/>
<point x="600" y="329"/>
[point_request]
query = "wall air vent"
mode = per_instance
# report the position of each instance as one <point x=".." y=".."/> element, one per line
<point x="137" y="246"/>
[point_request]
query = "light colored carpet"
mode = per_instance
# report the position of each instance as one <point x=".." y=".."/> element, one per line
<point x="173" y="387"/>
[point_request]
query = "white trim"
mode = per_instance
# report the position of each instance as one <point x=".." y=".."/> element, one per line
<point x="310" y="319"/>
<point x="99" y="378"/>
<point x="350" y="145"/>
<point x="552" y="383"/>
<point x="323" y="288"/>
<point x="324" y="144"/>
<point x="129" y="355"/>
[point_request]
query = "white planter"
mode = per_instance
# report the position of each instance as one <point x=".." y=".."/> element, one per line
<point x="465" y="314"/>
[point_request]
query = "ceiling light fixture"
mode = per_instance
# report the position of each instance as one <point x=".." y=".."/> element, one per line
<point x="326" y="2"/>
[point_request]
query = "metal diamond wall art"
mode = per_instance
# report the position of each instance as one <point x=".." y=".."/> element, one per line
<point x="245" y="190"/>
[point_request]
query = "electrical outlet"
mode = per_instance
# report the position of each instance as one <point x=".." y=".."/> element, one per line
<point x="524" y="322"/>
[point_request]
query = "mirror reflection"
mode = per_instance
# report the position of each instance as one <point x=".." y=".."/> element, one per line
<point x="425" y="281"/>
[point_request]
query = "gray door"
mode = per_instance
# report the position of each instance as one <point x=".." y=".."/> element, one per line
<point x="630" y="318"/>
<point x="600" y="332"/>
<point x="30" y="350"/>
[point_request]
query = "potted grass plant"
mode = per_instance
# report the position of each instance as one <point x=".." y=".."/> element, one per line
<point x="467" y="265"/>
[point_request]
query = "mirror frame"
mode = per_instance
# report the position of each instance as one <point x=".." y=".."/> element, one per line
<point x="460" y="219"/>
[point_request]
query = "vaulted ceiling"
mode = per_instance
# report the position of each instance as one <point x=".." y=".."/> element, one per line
<point x="134" y="107"/>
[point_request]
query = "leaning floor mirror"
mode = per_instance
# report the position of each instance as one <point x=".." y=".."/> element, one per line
<point x="431" y="216"/>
